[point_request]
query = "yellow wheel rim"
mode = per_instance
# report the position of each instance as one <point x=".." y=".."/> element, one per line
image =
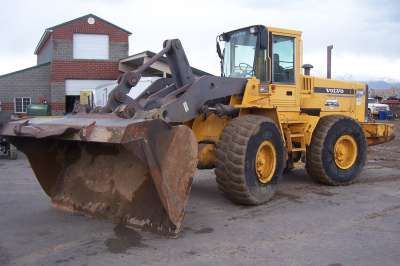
<point x="265" y="161"/>
<point x="345" y="151"/>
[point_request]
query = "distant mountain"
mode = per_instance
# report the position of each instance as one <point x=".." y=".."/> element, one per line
<point x="381" y="84"/>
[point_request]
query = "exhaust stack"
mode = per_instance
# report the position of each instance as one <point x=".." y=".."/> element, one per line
<point x="329" y="61"/>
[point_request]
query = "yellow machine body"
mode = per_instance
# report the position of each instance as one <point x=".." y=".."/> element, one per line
<point x="295" y="107"/>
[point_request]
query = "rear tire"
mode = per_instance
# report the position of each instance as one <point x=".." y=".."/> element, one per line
<point x="330" y="165"/>
<point x="236" y="172"/>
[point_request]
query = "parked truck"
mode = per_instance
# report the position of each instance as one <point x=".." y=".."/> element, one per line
<point x="98" y="96"/>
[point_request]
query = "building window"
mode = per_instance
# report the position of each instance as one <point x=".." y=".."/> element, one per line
<point x="90" y="46"/>
<point x="21" y="104"/>
<point x="282" y="59"/>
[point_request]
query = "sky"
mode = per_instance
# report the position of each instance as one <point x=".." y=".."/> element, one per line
<point x="365" y="34"/>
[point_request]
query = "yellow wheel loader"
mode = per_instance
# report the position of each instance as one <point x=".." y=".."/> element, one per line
<point x="133" y="160"/>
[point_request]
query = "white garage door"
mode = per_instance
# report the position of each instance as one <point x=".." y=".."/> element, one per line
<point x="90" y="46"/>
<point x="75" y="86"/>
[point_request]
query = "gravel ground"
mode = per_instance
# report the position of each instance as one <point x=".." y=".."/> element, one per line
<point x="305" y="224"/>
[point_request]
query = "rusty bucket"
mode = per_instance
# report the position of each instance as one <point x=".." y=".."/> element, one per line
<point x="137" y="173"/>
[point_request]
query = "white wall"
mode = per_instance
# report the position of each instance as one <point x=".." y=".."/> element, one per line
<point x="74" y="86"/>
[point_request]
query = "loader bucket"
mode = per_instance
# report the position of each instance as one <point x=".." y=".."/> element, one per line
<point x="138" y="173"/>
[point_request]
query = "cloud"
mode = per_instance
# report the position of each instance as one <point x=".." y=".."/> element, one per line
<point x="364" y="33"/>
<point x="356" y="67"/>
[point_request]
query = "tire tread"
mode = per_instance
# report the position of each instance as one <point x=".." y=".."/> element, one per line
<point x="230" y="158"/>
<point x="314" y="163"/>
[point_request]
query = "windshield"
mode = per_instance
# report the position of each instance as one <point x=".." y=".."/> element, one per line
<point x="239" y="54"/>
<point x="371" y="100"/>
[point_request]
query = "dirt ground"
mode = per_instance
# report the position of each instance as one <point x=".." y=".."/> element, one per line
<point x="305" y="224"/>
<point x="388" y="154"/>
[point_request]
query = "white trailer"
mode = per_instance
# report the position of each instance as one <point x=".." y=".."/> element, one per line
<point x="100" y="93"/>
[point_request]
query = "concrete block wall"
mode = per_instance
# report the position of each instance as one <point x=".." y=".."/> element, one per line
<point x="62" y="50"/>
<point x="32" y="82"/>
<point x="46" y="54"/>
<point x="118" y="50"/>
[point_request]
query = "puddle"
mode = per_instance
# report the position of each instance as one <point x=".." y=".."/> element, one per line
<point x="205" y="230"/>
<point x="324" y="193"/>
<point x="65" y="260"/>
<point x="125" y="239"/>
<point x="191" y="252"/>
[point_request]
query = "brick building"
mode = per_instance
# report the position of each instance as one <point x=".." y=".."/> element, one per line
<point x="71" y="56"/>
<point x="76" y="55"/>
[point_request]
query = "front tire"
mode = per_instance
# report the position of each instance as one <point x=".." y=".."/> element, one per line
<point x="337" y="152"/>
<point x="250" y="159"/>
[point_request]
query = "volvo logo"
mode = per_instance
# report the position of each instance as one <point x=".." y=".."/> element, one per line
<point x="332" y="90"/>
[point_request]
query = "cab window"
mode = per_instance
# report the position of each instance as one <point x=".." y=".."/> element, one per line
<point x="239" y="54"/>
<point x="282" y="59"/>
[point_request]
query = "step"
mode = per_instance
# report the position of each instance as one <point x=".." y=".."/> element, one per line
<point x="299" y="165"/>
<point x="297" y="135"/>
<point x="298" y="149"/>
<point x="294" y="122"/>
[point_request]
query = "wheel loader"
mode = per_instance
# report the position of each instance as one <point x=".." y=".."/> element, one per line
<point x="133" y="160"/>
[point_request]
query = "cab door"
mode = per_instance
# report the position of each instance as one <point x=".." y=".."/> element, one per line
<point x="284" y="93"/>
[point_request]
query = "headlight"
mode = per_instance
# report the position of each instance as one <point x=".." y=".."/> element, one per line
<point x="264" y="88"/>
<point x="253" y="30"/>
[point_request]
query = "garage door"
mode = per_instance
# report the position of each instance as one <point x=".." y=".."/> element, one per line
<point x="75" y="86"/>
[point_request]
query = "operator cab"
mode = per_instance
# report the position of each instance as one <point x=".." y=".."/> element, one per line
<point x="255" y="52"/>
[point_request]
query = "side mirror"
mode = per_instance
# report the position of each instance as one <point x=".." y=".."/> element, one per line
<point x="223" y="37"/>
<point x="263" y="38"/>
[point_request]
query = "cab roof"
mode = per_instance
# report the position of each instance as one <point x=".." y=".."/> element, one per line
<point x="284" y="31"/>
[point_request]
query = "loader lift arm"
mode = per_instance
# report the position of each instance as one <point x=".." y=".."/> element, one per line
<point x="177" y="61"/>
<point x="179" y="99"/>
